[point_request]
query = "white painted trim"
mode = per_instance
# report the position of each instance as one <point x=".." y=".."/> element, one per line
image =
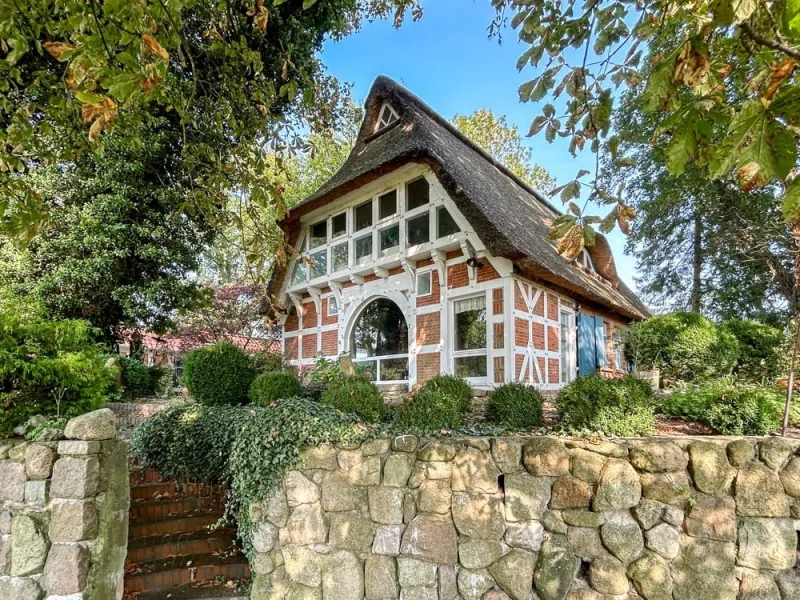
<point x="427" y="309"/>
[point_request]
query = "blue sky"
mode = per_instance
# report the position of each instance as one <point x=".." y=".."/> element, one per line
<point x="447" y="59"/>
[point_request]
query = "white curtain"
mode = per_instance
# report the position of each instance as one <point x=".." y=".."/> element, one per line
<point x="469" y="304"/>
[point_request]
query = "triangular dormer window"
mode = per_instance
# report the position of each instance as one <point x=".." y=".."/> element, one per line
<point x="386" y="117"/>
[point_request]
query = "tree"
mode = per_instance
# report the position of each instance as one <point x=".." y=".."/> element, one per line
<point x="723" y="72"/>
<point x="701" y="244"/>
<point x="118" y="251"/>
<point x="503" y="142"/>
<point x="237" y="79"/>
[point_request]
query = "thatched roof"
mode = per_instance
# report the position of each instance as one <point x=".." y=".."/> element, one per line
<point x="511" y="219"/>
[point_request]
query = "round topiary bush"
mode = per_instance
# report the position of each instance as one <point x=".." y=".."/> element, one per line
<point x="273" y="385"/>
<point x="218" y="374"/>
<point x="356" y="395"/>
<point x="515" y="405"/>
<point x="137" y="378"/>
<point x="454" y="387"/>
<point x="430" y="409"/>
<point x="621" y="407"/>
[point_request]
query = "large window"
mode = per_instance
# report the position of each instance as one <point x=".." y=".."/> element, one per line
<point x="619" y="350"/>
<point x="469" y="332"/>
<point x="379" y="341"/>
<point x="418" y="230"/>
<point x="418" y="193"/>
<point x="445" y="224"/>
<point x="364" y="216"/>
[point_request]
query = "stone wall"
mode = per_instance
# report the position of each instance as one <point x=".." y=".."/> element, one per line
<point x="535" y="517"/>
<point x="64" y="514"/>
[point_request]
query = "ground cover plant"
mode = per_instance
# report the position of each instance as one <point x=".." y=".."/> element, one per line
<point x="218" y="374"/>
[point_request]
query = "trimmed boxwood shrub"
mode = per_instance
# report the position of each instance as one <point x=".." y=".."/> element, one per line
<point x="430" y="410"/>
<point x="356" y="395"/>
<point x="686" y="346"/>
<point x="218" y="374"/>
<point x="759" y="350"/>
<point x="623" y="407"/>
<point x="515" y="405"/>
<point x="272" y="385"/>
<point x="455" y="387"/>
<point x="264" y="362"/>
<point x="139" y="380"/>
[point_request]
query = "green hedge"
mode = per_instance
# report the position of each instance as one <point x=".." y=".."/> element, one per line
<point x="759" y="350"/>
<point x="140" y="380"/>
<point x="622" y="407"/>
<point x="218" y="374"/>
<point x="47" y="366"/>
<point x="356" y="395"/>
<point x="685" y="346"/>
<point x="454" y="387"/>
<point x="515" y="405"/>
<point x="273" y="385"/>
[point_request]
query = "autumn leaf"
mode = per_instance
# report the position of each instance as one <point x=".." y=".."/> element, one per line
<point x="154" y="47"/>
<point x="100" y="115"/>
<point x="571" y="244"/>
<point x="58" y="50"/>
<point x="780" y="73"/>
<point x="260" y="15"/>
<point x="791" y="201"/>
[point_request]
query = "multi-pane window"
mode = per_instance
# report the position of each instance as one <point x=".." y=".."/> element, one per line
<point x="417" y="193"/>
<point x="445" y="224"/>
<point x="390" y="240"/>
<point x="418" y="230"/>
<point x="469" y="333"/>
<point x="386" y="117"/>
<point x="363" y="249"/>
<point x="363" y="214"/>
<point x="339" y="225"/>
<point x="333" y="308"/>
<point x="319" y="264"/>
<point x="319" y="234"/>
<point x="387" y="204"/>
<point x="299" y="273"/>
<point x="339" y="257"/>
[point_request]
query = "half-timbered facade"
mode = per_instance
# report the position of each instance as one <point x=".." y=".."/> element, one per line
<point x="422" y="255"/>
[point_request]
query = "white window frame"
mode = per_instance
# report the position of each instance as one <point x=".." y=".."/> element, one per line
<point x="619" y="349"/>
<point x="429" y="276"/>
<point x="569" y="354"/>
<point x="485" y="352"/>
<point x="332" y="302"/>
<point x="383" y="120"/>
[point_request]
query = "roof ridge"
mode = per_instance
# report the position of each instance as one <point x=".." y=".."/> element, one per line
<point x="430" y="112"/>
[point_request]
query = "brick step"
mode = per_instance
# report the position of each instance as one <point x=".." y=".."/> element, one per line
<point x="217" y="591"/>
<point x="159" y="509"/>
<point x="173" y="525"/>
<point x="161" y="547"/>
<point x="172" y="490"/>
<point x="178" y="571"/>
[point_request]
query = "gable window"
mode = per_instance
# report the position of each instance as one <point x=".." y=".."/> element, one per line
<point x="387" y="204"/>
<point x="299" y="273"/>
<point x="445" y="224"/>
<point x="586" y="260"/>
<point x="319" y="234"/>
<point x="320" y="264"/>
<point x="339" y="257"/>
<point x="339" y="225"/>
<point x="386" y="117"/>
<point x="390" y="239"/>
<point x="424" y="284"/>
<point x="417" y="193"/>
<point x="418" y="230"/>
<point x="364" y="215"/>
<point x="363" y="249"/>
<point x="469" y="337"/>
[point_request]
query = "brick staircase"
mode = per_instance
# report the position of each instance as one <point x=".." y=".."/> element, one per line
<point x="173" y="552"/>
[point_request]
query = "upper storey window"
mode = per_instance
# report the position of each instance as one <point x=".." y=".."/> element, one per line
<point x="386" y="117"/>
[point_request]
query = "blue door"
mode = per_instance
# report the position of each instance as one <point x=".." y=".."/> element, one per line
<point x="587" y="356"/>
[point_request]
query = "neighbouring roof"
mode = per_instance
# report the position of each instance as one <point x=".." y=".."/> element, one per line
<point x="510" y="218"/>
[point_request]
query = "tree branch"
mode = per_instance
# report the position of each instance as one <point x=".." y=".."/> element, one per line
<point x="774" y="44"/>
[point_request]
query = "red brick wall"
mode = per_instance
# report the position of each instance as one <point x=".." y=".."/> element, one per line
<point x="309" y="315"/>
<point x="499" y="369"/>
<point x="310" y="345"/>
<point x="499" y="335"/>
<point x="428" y="366"/>
<point x="552" y="307"/>
<point x="538" y="310"/>
<point x="428" y="331"/>
<point x="290" y="350"/>
<point x="434" y="297"/>
<point x="330" y="343"/>
<point x="538" y="336"/>
<point x="497" y="301"/>
<point x="552" y="339"/>
<point x="457" y="276"/>
<point x="518" y="359"/>
<point x="292" y="322"/>
<point x="521" y="332"/>
<point x="540" y="360"/>
<point x="519" y="301"/>
<point x="487" y="272"/>
<point x="326" y="320"/>
<point x="554" y="373"/>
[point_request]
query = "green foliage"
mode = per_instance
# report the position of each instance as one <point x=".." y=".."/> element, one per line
<point x="192" y="441"/>
<point x="139" y="380"/>
<point x="273" y="385"/>
<point x="356" y="395"/>
<point x="515" y="405"/>
<point x="685" y="346"/>
<point x="47" y="366"/>
<point x="264" y="362"/>
<point x="324" y="372"/>
<point x="729" y="407"/>
<point x="218" y="374"/>
<point x="455" y="387"/>
<point x="622" y="407"/>
<point x="759" y="345"/>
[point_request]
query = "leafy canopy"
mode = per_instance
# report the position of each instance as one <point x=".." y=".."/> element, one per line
<point x="713" y="65"/>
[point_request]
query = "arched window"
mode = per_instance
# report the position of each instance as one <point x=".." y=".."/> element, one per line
<point x="379" y="341"/>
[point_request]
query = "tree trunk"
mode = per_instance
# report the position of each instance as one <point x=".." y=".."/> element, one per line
<point x="697" y="260"/>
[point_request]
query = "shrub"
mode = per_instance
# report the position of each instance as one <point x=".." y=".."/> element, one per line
<point x="318" y="378"/>
<point x="272" y="385"/>
<point x="356" y="395"/>
<point x="139" y="380"/>
<point x="685" y="346"/>
<point x="264" y="362"/>
<point x="515" y="405"/>
<point x="614" y="406"/>
<point x="729" y="407"/>
<point x="47" y="366"/>
<point x="455" y="387"/>
<point x="192" y="441"/>
<point x="218" y="374"/>
<point x="759" y="356"/>
<point x="430" y="409"/>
